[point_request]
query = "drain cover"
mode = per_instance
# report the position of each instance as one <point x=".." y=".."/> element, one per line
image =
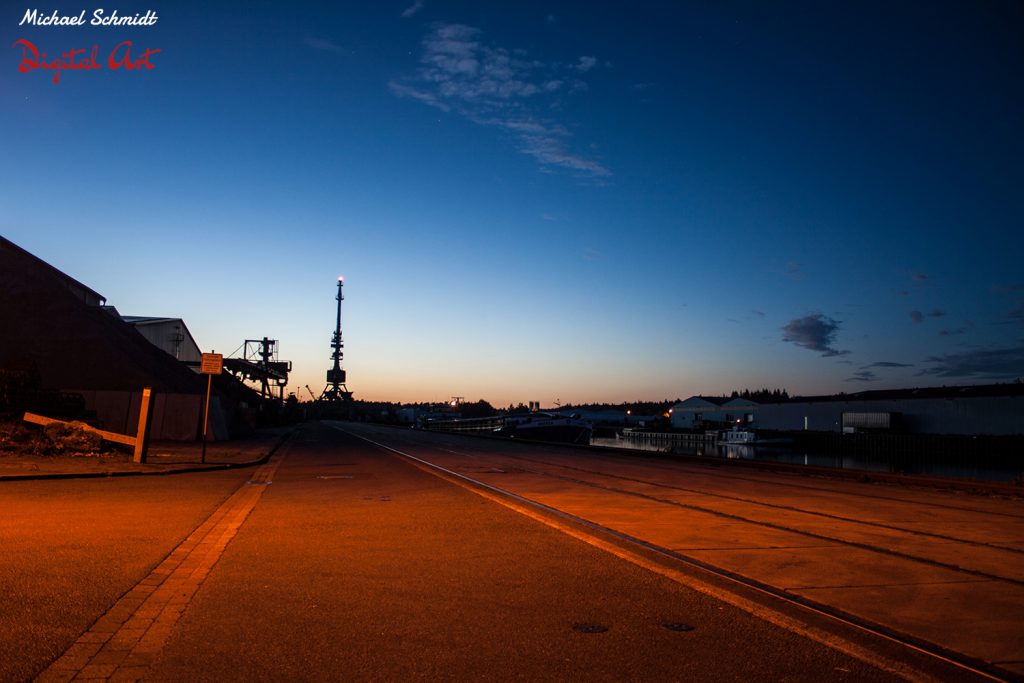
<point x="253" y="481"/>
<point x="334" y="476"/>
<point x="677" y="626"/>
<point x="589" y="628"/>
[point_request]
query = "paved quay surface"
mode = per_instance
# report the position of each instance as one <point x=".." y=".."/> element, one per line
<point x="919" y="563"/>
<point x="341" y="560"/>
<point x="357" y="566"/>
<point x="350" y="564"/>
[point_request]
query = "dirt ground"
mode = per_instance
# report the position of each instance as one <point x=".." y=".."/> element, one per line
<point x="27" y="450"/>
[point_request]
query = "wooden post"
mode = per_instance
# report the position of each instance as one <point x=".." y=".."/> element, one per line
<point x="206" y="415"/>
<point x="211" y="364"/>
<point x="145" y="421"/>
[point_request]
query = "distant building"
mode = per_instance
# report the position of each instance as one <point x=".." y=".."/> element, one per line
<point x="410" y="414"/>
<point x="993" y="409"/>
<point x="170" y="335"/>
<point x="712" y="411"/>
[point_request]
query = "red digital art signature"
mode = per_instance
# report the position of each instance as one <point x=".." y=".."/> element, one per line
<point x="82" y="59"/>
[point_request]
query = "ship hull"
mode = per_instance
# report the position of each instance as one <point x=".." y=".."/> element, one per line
<point x="564" y="433"/>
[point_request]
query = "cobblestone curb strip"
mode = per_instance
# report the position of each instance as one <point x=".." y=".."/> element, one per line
<point x="125" y="641"/>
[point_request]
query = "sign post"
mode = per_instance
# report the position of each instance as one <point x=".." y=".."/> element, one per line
<point x="212" y="364"/>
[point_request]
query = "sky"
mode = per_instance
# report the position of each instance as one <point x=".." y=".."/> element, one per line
<point x="561" y="202"/>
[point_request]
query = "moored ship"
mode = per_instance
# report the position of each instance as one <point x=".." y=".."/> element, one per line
<point x="535" y="426"/>
<point x="542" y="426"/>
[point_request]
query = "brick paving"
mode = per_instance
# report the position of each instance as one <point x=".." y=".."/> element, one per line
<point x="125" y="641"/>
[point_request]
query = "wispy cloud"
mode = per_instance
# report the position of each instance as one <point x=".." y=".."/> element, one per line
<point x="918" y="276"/>
<point x="949" y="331"/>
<point x="412" y="9"/>
<point x="586" y="63"/>
<point x="1017" y="313"/>
<point x="936" y="313"/>
<point x="323" y="44"/>
<point x="815" y="332"/>
<point x="591" y="254"/>
<point x="862" y="376"/>
<point x="917" y="316"/>
<point x="548" y="146"/>
<point x="888" y="364"/>
<point x="991" y="364"/>
<point x="494" y="86"/>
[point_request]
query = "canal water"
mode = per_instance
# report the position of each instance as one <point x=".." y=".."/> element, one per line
<point x="786" y="454"/>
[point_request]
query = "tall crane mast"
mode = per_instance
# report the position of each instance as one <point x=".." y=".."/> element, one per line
<point x="336" y="389"/>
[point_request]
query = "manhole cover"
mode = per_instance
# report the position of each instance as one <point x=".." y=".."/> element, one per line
<point x="677" y="626"/>
<point x="334" y="476"/>
<point x="589" y="628"/>
<point x="259" y="483"/>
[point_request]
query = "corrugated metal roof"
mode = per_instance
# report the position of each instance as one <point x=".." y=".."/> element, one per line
<point x="138" y="320"/>
<point x="971" y="390"/>
<point x="71" y="282"/>
<point x="90" y="349"/>
<point x="146" y="320"/>
<point x="702" y="402"/>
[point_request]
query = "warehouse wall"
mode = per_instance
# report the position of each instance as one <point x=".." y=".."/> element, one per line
<point x="176" y="417"/>
<point x="996" y="415"/>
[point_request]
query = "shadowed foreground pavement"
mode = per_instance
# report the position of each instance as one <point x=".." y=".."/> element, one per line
<point x="382" y="571"/>
<point x="353" y="564"/>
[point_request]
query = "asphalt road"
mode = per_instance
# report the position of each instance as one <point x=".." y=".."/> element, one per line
<point x="70" y="548"/>
<point x="356" y="565"/>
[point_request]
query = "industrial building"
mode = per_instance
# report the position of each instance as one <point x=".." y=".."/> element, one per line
<point x="993" y="409"/>
<point x="170" y="335"/>
<point x="61" y="340"/>
<point x="713" y="411"/>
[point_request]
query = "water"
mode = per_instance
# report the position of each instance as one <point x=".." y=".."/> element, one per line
<point x="784" y="454"/>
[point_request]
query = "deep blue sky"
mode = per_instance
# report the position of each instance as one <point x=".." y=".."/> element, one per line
<point x="540" y="201"/>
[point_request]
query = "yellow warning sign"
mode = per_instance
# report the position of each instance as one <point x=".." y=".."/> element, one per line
<point x="212" y="364"/>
